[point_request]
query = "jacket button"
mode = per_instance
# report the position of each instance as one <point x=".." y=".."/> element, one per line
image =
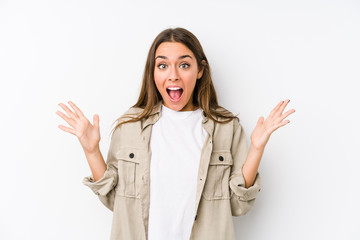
<point x="131" y="155"/>
<point x="221" y="158"/>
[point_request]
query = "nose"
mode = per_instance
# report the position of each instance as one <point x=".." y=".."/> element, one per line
<point x="173" y="74"/>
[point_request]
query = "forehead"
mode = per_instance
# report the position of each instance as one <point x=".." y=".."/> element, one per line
<point x="173" y="49"/>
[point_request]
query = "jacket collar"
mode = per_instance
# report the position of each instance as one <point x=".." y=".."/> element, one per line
<point x="156" y="113"/>
<point x="153" y="117"/>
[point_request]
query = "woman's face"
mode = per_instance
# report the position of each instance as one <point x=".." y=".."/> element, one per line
<point x="175" y="75"/>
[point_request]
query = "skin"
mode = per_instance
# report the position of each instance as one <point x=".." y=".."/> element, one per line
<point x="260" y="137"/>
<point x="175" y="65"/>
<point x="88" y="135"/>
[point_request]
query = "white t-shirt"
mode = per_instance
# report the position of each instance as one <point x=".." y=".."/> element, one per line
<point x="176" y="142"/>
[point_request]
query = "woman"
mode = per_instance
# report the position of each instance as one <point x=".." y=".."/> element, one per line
<point x="179" y="166"/>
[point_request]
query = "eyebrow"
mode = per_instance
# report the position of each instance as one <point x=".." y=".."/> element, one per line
<point x="181" y="57"/>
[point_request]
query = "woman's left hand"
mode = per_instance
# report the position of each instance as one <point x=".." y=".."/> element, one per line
<point x="263" y="129"/>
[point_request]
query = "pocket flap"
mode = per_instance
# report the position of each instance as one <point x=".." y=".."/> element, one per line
<point x="221" y="158"/>
<point x="130" y="154"/>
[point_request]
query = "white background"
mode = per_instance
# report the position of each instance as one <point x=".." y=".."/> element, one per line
<point x="261" y="52"/>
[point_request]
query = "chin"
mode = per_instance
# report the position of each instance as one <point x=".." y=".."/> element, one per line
<point x="175" y="107"/>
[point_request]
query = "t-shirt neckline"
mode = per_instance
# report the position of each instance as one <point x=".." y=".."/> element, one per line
<point x="168" y="112"/>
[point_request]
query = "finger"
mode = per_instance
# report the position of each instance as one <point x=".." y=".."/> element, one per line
<point x="76" y="109"/>
<point x="96" y="121"/>
<point x="279" y="125"/>
<point x="70" y="121"/>
<point x="285" y="115"/>
<point x="68" y="111"/>
<point x="67" y="129"/>
<point x="260" y="120"/>
<point x="272" y="113"/>
<point x="282" y="107"/>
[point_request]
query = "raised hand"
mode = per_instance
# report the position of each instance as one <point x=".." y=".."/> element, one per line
<point x="88" y="134"/>
<point x="275" y="120"/>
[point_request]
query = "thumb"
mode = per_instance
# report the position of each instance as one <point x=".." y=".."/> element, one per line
<point x="260" y="121"/>
<point x="96" y="121"/>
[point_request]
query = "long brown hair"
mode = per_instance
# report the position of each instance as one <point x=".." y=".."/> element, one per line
<point x="204" y="95"/>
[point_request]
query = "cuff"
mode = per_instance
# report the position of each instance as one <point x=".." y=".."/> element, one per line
<point x="237" y="185"/>
<point x="104" y="185"/>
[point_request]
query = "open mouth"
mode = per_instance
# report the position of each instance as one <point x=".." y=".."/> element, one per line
<point x="175" y="93"/>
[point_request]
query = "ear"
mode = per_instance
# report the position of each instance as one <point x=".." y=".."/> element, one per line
<point x="201" y="71"/>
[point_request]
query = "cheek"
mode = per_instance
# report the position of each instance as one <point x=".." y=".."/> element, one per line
<point x="190" y="80"/>
<point x="158" y="87"/>
<point x="158" y="78"/>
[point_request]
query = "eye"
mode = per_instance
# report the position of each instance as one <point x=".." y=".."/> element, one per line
<point x="184" y="65"/>
<point x="162" y="66"/>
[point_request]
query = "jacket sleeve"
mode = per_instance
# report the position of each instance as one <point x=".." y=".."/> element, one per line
<point x="242" y="198"/>
<point x="104" y="188"/>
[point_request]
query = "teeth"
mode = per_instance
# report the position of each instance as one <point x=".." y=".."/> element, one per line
<point x="174" y="88"/>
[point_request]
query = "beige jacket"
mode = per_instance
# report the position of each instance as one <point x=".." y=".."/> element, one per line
<point x="221" y="192"/>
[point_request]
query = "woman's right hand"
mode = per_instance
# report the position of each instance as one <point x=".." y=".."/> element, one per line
<point x="88" y="134"/>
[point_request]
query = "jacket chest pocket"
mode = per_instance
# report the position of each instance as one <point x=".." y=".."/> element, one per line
<point x="217" y="181"/>
<point x="129" y="172"/>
